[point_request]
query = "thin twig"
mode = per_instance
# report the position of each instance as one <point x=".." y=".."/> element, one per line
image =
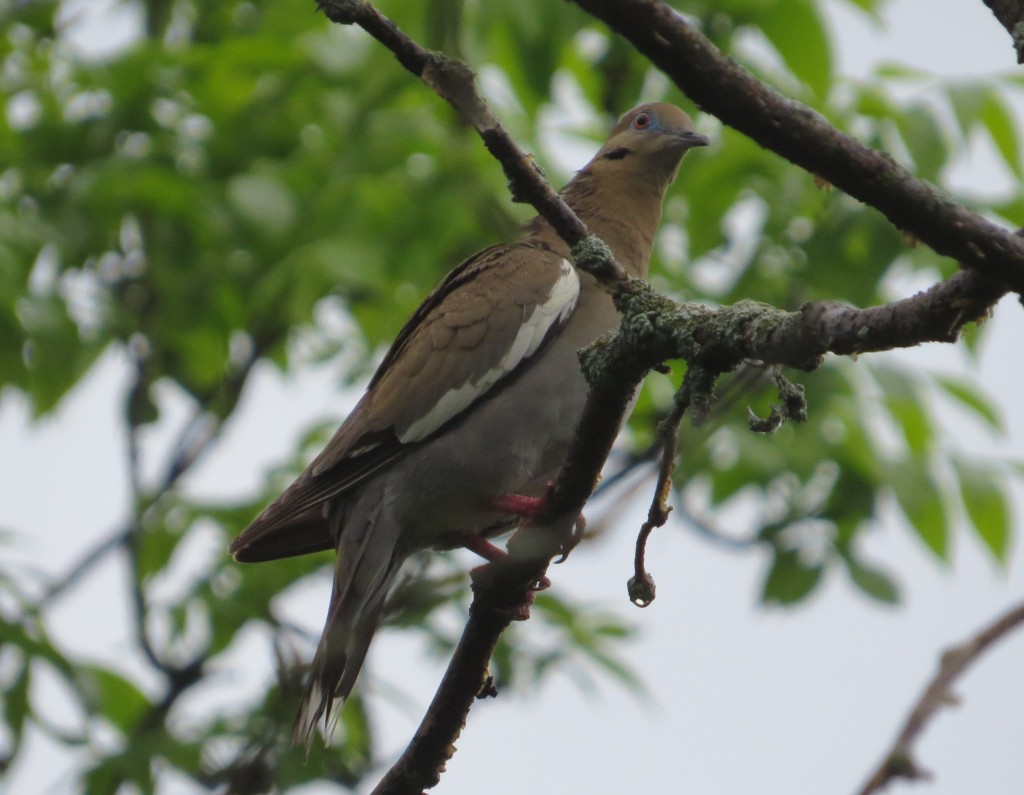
<point x="641" y="587"/>
<point x="899" y="760"/>
<point x="706" y="530"/>
<point x="195" y="438"/>
<point x="130" y="538"/>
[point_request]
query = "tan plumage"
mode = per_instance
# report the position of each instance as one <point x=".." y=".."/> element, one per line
<point x="477" y="398"/>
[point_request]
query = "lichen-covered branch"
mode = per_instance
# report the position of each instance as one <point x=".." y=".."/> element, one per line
<point x="723" y="88"/>
<point x="656" y="329"/>
<point x="899" y="759"/>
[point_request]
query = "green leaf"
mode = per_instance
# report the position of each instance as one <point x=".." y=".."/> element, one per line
<point x="922" y="503"/>
<point x="983" y="490"/>
<point x="617" y="669"/>
<point x="872" y="581"/>
<point x="922" y="133"/>
<point x="54" y="354"/>
<point x="14" y="706"/>
<point x="116" y="698"/>
<point x="903" y="400"/>
<point x="1002" y="128"/>
<point x="798" y="33"/>
<point x="970" y="397"/>
<point x="901" y="71"/>
<point x="869" y="7"/>
<point x="789" y="580"/>
<point x="913" y="420"/>
<point x="967" y="101"/>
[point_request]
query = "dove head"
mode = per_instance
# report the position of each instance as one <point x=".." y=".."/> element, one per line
<point x="619" y="193"/>
<point x="648" y="143"/>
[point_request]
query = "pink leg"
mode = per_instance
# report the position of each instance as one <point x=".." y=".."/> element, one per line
<point x="531" y="507"/>
<point x="517" y="505"/>
<point x="483" y="548"/>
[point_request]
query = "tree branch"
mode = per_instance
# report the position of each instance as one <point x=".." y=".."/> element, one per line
<point x="723" y="88"/>
<point x="498" y="592"/>
<point x="1010" y="14"/>
<point x="194" y="439"/>
<point x="899" y="760"/>
<point x="455" y="82"/>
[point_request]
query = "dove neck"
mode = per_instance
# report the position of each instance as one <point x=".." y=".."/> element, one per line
<point x="623" y="213"/>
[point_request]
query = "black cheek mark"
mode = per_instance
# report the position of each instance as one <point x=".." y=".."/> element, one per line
<point x="617" y="154"/>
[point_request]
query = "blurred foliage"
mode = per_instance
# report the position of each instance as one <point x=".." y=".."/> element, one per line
<point x="195" y="198"/>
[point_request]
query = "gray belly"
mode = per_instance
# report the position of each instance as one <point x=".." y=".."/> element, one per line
<point x="514" y="442"/>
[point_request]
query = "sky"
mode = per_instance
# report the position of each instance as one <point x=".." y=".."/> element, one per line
<point x="741" y="699"/>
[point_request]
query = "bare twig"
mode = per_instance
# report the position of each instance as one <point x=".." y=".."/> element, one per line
<point x="723" y="88"/>
<point x="899" y="760"/>
<point x="498" y="591"/>
<point x="696" y="382"/>
<point x="130" y="538"/>
<point x="714" y="534"/>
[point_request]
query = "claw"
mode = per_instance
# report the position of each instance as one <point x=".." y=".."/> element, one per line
<point x="579" y="528"/>
<point x="530" y="508"/>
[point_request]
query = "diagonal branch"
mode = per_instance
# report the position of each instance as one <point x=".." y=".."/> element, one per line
<point x="1010" y="14"/>
<point x="899" y="761"/>
<point x="455" y="82"/>
<point x="723" y="88"/>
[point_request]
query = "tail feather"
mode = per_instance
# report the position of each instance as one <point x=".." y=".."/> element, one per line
<point x="367" y="566"/>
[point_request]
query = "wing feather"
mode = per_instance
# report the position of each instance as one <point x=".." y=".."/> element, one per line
<point x="472" y="334"/>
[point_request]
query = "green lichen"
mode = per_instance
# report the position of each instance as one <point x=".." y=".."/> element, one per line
<point x="593" y="256"/>
<point x="1018" y="40"/>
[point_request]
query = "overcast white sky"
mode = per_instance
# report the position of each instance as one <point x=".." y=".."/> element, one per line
<point x="744" y="700"/>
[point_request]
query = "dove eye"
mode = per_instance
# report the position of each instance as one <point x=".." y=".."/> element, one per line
<point x="642" y="121"/>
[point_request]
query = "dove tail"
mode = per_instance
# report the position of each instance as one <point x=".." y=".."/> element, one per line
<point x="364" y="576"/>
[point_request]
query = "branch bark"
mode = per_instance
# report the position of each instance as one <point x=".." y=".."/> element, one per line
<point x="899" y="759"/>
<point x="723" y="88"/>
<point x="1010" y="14"/>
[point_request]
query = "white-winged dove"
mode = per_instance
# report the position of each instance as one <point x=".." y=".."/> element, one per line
<point x="474" y="405"/>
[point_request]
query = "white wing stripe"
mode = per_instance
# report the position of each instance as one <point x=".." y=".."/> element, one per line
<point x="555" y="310"/>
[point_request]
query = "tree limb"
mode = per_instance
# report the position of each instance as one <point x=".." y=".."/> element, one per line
<point x="1010" y="14"/>
<point x="194" y="439"/>
<point x="723" y="88"/>
<point x="899" y="760"/>
<point x="455" y="82"/>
